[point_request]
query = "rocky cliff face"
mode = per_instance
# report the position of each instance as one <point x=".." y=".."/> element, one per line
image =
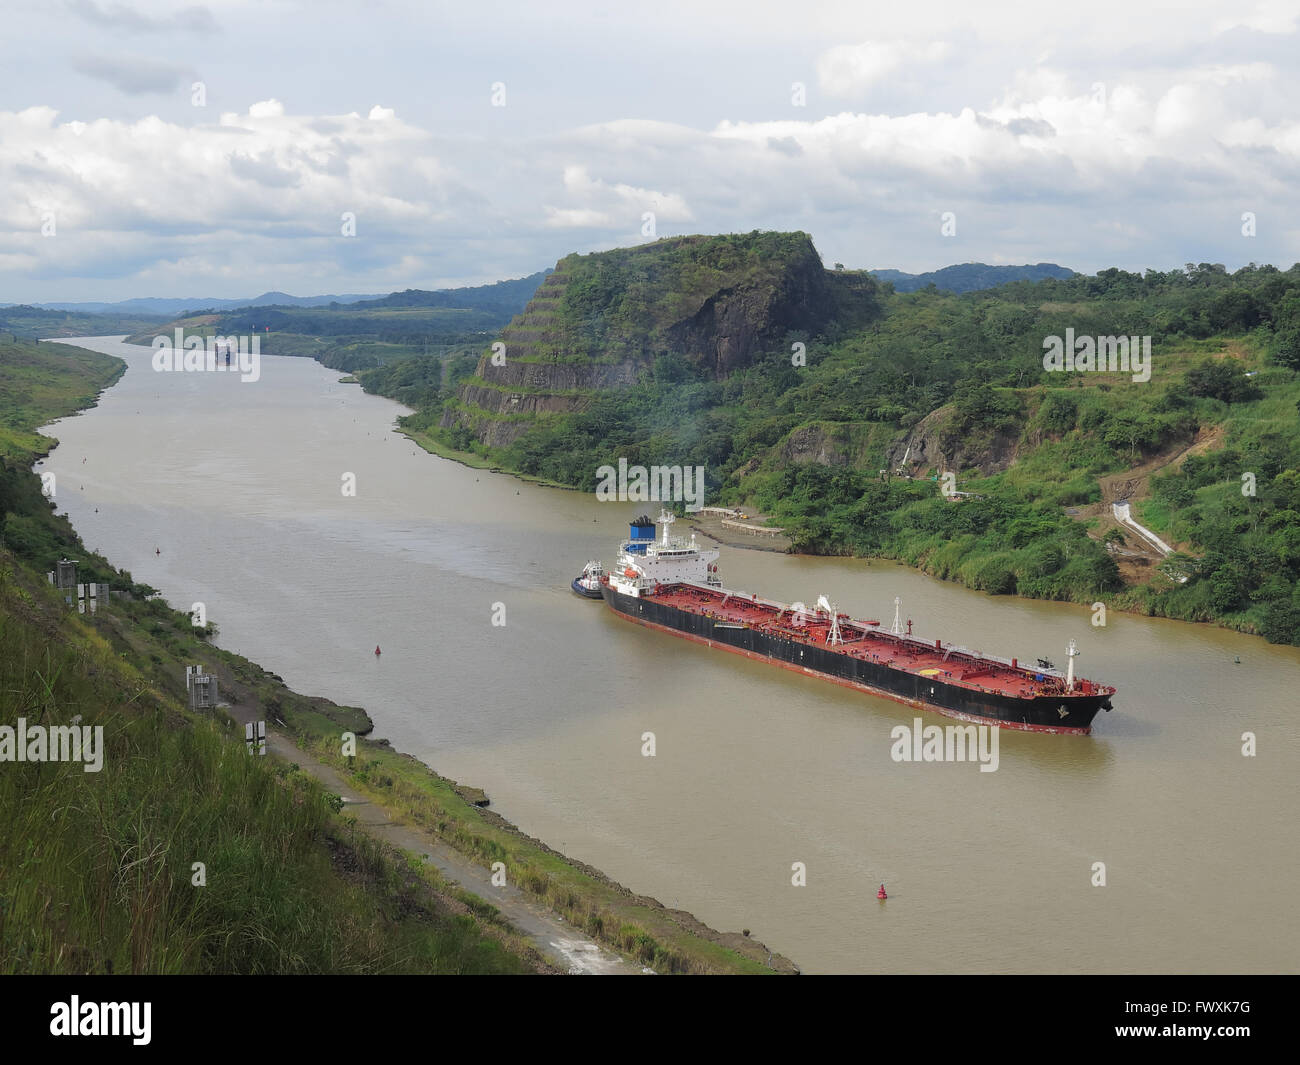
<point x="932" y="445"/>
<point x="813" y="443"/>
<point x="600" y="321"/>
<point x="734" y="324"/>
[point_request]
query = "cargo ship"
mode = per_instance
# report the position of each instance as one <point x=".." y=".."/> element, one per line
<point x="672" y="584"/>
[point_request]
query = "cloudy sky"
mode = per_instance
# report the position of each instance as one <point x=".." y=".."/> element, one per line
<point x="214" y="149"/>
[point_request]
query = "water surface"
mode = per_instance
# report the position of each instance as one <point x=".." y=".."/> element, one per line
<point x="239" y="486"/>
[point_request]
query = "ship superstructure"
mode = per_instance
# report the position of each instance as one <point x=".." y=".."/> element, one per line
<point x="646" y="563"/>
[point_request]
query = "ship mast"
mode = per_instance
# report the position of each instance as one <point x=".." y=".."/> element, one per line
<point x="665" y="519"/>
<point x="1072" y="651"/>
<point x="833" y="636"/>
<point x="897" y="627"/>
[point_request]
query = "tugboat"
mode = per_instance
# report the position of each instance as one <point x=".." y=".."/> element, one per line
<point x="587" y="583"/>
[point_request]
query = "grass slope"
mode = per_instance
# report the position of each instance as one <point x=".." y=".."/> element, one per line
<point x="97" y="870"/>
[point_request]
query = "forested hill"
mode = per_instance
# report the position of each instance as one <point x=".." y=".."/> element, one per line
<point x="368" y="332"/>
<point x="674" y="311"/>
<point x="362" y="330"/>
<point x="970" y="277"/>
<point x="509" y="297"/>
<point x="24" y="322"/>
<point x="687" y="351"/>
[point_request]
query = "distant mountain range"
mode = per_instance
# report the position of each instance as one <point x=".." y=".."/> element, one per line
<point x="502" y="294"/>
<point x="512" y="295"/>
<point x="971" y="277"/>
<point x="164" y="306"/>
<point x="507" y="296"/>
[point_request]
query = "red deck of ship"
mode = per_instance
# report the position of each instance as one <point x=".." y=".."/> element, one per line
<point x="865" y="640"/>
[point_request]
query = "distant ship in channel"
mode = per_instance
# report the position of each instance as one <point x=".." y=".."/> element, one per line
<point x="672" y="584"/>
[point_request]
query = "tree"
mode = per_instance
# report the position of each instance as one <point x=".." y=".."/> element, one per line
<point x="1281" y="622"/>
<point x="1221" y="380"/>
<point x="1234" y="310"/>
<point x="1286" y="332"/>
<point x="1058" y="413"/>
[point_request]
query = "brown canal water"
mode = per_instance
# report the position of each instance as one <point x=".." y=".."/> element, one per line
<point x="239" y="486"/>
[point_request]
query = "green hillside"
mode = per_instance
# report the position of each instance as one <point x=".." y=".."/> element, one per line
<point x="970" y="277"/>
<point x="31" y="323"/>
<point x="680" y="352"/>
<point x="368" y="333"/>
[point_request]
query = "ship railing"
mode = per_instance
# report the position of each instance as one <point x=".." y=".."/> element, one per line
<point x="950" y="649"/>
<point x="758" y="600"/>
<point x="715" y="585"/>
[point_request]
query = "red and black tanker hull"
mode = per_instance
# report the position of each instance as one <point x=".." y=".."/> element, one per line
<point x="1066" y="713"/>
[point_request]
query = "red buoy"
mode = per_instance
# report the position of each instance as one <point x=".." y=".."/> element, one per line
<point x="881" y="893"/>
<point x="377" y="649"/>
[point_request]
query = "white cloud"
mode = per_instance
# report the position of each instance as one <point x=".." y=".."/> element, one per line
<point x="615" y="205"/>
<point x="1049" y="142"/>
<point x="576" y="218"/>
<point x="849" y="68"/>
<point x="1272" y="16"/>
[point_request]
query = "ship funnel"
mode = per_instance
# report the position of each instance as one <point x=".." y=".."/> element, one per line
<point x="641" y="532"/>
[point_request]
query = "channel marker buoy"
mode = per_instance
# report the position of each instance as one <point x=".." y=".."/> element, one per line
<point x="881" y="893"/>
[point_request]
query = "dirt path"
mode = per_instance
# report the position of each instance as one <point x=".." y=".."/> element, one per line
<point x="565" y="946"/>
<point x="1136" y="483"/>
<point x="1137" y="557"/>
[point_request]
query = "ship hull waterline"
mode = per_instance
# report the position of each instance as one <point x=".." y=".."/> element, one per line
<point x="953" y="701"/>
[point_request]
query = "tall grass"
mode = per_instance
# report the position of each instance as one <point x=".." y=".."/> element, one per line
<point x="98" y="870"/>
